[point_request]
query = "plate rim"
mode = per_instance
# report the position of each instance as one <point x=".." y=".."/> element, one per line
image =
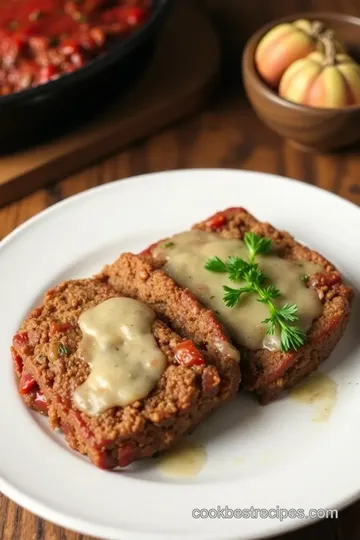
<point x="103" y="187"/>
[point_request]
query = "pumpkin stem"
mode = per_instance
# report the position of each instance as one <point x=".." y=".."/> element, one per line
<point x="329" y="48"/>
<point x="317" y="28"/>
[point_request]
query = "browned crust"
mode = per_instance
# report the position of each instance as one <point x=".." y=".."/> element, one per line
<point x="266" y="372"/>
<point x="182" y="398"/>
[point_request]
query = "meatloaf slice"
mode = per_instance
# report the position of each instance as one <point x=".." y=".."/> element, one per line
<point x="268" y="373"/>
<point x="133" y="276"/>
<point x="49" y="367"/>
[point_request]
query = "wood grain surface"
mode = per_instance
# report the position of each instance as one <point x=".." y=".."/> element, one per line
<point x="228" y="134"/>
<point x="179" y="78"/>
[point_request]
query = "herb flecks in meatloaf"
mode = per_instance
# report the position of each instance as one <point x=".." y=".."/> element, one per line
<point x="265" y="372"/>
<point x="45" y="354"/>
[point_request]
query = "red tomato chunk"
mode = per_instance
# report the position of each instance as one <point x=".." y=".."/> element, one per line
<point x="187" y="354"/>
<point x="41" y="40"/>
<point x="40" y="402"/>
<point x="60" y="328"/>
<point x="27" y="383"/>
<point x="216" y="221"/>
<point x="21" y="341"/>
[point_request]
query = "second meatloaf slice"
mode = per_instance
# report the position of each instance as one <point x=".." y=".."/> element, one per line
<point x="269" y="372"/>
<point x="50" y="368"/>
<point x="266" y="372"/>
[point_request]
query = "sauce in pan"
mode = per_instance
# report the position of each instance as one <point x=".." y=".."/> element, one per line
<point x="41" y="40"/>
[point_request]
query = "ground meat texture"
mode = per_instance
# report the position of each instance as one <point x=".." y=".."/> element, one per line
<point x="46" y="349"/>
<point x="268" y="373"/>
<point x="133" y="276"/>
<point x="41" y="40"/>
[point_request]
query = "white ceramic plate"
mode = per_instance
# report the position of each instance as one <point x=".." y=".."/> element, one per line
<point x="265" y="457"/>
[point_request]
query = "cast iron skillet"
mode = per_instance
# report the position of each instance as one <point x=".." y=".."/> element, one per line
<point x="45" y="111"/>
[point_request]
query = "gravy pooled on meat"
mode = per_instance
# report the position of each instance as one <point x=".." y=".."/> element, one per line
<point x="122" y="352"/>
<point x="185" y="256"/>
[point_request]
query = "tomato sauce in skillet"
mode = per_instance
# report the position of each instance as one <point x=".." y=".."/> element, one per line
<point x="41" y="40"/>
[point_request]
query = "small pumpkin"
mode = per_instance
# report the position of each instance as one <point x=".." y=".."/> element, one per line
<point x="286" y="43"/>
<point x="322" y="79"/>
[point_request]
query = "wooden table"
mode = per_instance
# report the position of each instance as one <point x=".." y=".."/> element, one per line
<point x="227" y="134"/>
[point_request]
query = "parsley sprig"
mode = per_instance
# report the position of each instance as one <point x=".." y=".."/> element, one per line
<point x="255" y="281"/>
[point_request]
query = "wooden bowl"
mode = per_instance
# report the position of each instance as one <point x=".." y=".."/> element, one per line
<point x="311" y="128"/>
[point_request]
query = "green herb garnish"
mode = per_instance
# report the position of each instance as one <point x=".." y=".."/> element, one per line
<point x="63" y="350"/>
<point x="169" y="245"/>
<point x="304" y="278"/>
<point x="291" y="337"/>
<point x="256" y="245"/>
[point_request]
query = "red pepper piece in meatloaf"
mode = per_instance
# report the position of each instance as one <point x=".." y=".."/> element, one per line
<point x="46" y="359"/>
<point x="28" y="387"/>
<point x="268" y="373"/>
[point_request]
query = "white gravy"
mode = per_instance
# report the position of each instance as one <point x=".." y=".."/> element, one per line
<point x="122" y="353"/>
<point x="185" y="461"/>
<point x="185" y="256"/>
